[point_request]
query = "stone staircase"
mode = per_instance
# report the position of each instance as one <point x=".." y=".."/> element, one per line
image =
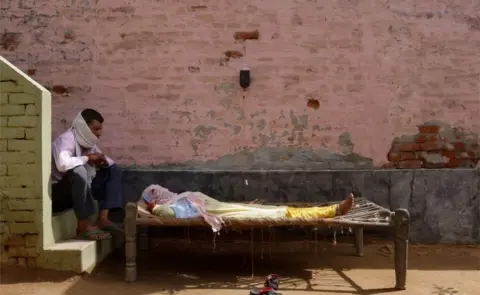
<point x="70" y="254"/>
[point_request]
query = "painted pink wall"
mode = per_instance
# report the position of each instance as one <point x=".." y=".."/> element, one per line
<point x="157" y="71"/>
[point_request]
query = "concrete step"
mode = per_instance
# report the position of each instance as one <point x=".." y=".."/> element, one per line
<point x="78" y="255"/>
<point x="64" y="225"/>
<point x="71" y="254"/>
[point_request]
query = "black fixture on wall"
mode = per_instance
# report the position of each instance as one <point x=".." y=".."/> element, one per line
<point x="245" y="77"/>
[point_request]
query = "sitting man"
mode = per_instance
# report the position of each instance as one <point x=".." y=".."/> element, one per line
<point x="81" y="174"/>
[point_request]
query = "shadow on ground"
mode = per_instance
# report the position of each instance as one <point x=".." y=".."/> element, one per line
<point x="332" y="271"/>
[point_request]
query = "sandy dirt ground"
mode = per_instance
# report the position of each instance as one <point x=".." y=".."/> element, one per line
<point x="440" y="270"/>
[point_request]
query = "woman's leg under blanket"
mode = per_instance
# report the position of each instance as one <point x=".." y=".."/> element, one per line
<point x="312" y="212"/>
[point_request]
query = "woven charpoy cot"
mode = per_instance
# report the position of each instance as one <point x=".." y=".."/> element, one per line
<point x="365" y="214"/>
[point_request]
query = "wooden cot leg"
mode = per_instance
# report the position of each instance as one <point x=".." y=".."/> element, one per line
<point x="359" y="241"/>
<point x="143" y="237"/>
<point x="401" y="224"/>
<point x="131" y="242"/>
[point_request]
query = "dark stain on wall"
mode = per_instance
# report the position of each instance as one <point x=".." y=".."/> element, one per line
<point x="233" y="54"/>
<point x="193" y="69"/>
<point x="59" y="89"/>
<point x="278" y="158"/>
<point x="473" y="22"/>
<point x="10" y="41"/>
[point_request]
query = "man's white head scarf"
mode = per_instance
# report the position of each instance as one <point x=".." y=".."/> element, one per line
<point x="83" y="135"/>
<point x="84" y="138"/>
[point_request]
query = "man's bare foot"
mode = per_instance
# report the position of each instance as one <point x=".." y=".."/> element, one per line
<point x="108" y="225"/>
<point x="346" y="204"/>
<point x="105" y="223"/>
<point x="91" y="232"/>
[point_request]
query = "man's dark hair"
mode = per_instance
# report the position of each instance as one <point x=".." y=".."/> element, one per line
<point x="89" y="115"/>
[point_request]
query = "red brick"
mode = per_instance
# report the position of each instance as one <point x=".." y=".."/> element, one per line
<point x="253" y="35"/>
<point x="197" y="7"/>
<point x="431" y="146"/>
<point x="459" y="146"/>
<point x="408" y="156"/>
<point x="394" y="157"/>
<point x="233" y="54"/>
<point x="422" y="138"/>
<point x="460" y="155"/>
<point x="389" y="166"/>
<point x="451" y="154"/>
<point x="429" y="128"/>
<point x="433" y="165"/>
<point x="410" y="164"/>
<point x="457" y="163"/>
<point x="472" y="155"/>
<point x="408" y="147"/>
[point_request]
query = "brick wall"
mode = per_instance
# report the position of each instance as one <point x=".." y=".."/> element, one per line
<point x="329" y="78"/>
<point x="22" y="179"/>
<point x="436" y="145"/>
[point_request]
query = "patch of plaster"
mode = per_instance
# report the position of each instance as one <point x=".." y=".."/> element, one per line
<point x="434" y="158"/>
<point x="261" y="124"/>
<point x="194" y="143"/>
<point x="240" y="113"/>
<point x="227" y="91"/>
<point x="258" y="113"/>
<point x="235" y="128"/>
<point x="264" y="139"/>
<point x="183" y="114"/>
<point x="203" y="131"/>
<point x="212" y="114"/>
<point x="299" y="123"/>
<point x="346" y="144"/>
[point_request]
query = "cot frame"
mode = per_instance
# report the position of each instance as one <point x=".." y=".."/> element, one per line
<point x="399" y="226"/>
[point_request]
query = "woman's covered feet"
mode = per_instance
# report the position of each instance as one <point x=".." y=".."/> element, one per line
<point x="346" y="205"/>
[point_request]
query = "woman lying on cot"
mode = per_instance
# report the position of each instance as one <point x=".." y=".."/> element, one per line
<point x="162" y="202"/>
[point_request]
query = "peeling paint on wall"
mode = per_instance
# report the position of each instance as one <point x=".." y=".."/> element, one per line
<point x="203" y="131"/>
<point x="235" y="128"/>
<point x="345" y="143"/>
<point x="10" y="40"/>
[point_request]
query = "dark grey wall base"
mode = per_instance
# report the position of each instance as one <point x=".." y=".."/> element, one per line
<point x="444" y="204"/>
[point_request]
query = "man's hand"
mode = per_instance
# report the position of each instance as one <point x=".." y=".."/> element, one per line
<point x="104" y="162"/>
<point x="96" y="159"/>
